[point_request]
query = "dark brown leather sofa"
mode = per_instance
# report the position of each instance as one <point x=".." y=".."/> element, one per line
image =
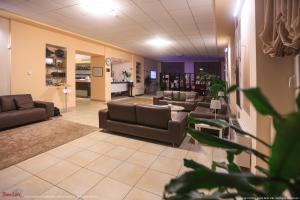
<point x="203" y="111"/>
<point x="150" y="122"/>
<point x="16" y="110"/>
<point x="188" y="100"/>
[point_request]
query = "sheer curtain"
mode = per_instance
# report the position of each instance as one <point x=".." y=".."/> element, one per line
<point x="281" y="33"/>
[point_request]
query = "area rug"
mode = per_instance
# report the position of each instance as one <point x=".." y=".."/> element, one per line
<point x="24" y="142"/>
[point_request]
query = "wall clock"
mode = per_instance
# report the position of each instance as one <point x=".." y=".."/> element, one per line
<point x="108" y="61"/>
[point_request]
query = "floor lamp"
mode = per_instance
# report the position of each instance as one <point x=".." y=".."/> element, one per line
<point x="66" y="91"/>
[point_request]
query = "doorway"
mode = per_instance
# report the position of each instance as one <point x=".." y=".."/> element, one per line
<point x="83" y="75"/>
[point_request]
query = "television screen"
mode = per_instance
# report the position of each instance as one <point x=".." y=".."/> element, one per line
<point x="153" y="75"/>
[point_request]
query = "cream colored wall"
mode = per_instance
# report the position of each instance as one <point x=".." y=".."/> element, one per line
<point x="98" y="82"/>
<point x="4" y="57"/>
<point x="272" y="77"/>
<point x="231" y="75"/>
<point x="117" y="70"/>
<point x="29" y="39"/>
<point x="259" y="70"/>
<point x="28" y="56"/>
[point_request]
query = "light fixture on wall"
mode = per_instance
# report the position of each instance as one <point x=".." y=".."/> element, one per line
<point x="100" y="7"/>
<point x="237" y="7"/>
<point x="159" y="42"/>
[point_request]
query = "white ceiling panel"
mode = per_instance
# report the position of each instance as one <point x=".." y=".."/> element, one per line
<point x="188" y="24"/>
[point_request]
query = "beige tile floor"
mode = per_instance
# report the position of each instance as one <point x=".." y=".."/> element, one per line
<point x="100" y="166"/>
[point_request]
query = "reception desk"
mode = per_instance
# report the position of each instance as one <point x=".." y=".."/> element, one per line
<point x="121" y="87"/>
<point x="83" y="88"/>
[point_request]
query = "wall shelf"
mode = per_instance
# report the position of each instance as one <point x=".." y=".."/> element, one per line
<point x="56" y="65"/>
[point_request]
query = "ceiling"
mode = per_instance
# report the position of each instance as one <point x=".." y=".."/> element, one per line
<point x="190" y="25"/>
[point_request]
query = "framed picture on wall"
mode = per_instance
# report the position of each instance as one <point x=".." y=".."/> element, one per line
<point x="97" y="71"/>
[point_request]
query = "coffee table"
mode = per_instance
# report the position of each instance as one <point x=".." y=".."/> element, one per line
<point x="198" y="127"/>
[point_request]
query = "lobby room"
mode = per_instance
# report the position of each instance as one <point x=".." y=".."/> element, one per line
<point x="149" y="99"/>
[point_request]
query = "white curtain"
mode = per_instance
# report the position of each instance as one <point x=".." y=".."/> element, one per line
<point x="281" y="33"/>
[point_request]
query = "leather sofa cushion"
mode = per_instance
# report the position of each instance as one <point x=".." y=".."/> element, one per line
<point x="176" y="96"/>
<point x="168" y="95"/>
<point x="153" y="116"/>
<point x="191" y="96"/>
<point x="182" y="96"/>
<point x="24" y="101"/>
<point x="21" y="117"/>
<point x="8" y="103"/>
<point x="122" y="112"/>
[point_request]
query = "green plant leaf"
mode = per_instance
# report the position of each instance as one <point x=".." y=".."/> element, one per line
<point x="231" y="89"/>
<point x="207" y="179"/>
<point x="193" y="165"/>
<point x="206" y="138"/>
<point x="298" y="101"/>
<point x="262" y="170"/>
<point x="261" y="103"/>
<point x="221" y="165"/>
<point x="187" y="196"/>
<point x="285" y="159"/>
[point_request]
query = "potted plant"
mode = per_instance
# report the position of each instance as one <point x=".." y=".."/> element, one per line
<point x="126" y="75"/>
<point x="280" y="180"/>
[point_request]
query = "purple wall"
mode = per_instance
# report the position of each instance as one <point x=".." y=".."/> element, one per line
<point x="172" y="67"/>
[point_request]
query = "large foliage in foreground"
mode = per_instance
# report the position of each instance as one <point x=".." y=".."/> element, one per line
<point x="282" y="177"/>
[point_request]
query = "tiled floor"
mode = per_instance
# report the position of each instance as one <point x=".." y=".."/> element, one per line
<point x="100" y="166"/>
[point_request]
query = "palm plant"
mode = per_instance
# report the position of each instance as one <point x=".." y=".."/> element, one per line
<point x="281" y="179"/>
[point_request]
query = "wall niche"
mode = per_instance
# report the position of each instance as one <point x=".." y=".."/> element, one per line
<point x="56" y="65"/>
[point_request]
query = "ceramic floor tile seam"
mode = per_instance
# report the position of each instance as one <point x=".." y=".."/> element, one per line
<point x="106" y="154"/>
<point x="86" y="191"/>
<point x="60" y="159"/>
<point x="66" y="159"/>
<point x="109" y="178"/>
<point x="126" y="183"/>
<point x="20" y="181"/>
<point x="63" y="178"/>
<point x="85" y="167"/>
<point x="162" y="171"/>
<point x="47" y="152"/>
<point x="61" y="189"/>
<point x="136" y="186"/>
<point x="147" y="169"/>
<point x="32" y="175"/>
<point x="164" y="145"/>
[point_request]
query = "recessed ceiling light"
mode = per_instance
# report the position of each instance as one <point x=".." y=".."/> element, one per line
<point x="100" y="7"/>
<point x="159" y="42"/>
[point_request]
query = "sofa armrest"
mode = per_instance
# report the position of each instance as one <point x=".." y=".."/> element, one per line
<point x="49" y="106"/>
<point x="177" y="126"/>
<point x="156" y="99"/>
<point x="103" y="117"/>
